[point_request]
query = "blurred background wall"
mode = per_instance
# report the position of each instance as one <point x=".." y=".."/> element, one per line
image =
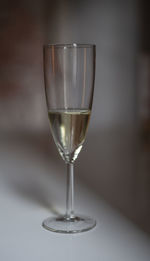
<point x="118" y="162"/>
<point x="26" y="25"/>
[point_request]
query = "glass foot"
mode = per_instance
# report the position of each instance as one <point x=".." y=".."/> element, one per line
<point x="63" y="224"/>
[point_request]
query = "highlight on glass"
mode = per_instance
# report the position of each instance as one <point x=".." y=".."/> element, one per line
<point x="69" y="73"/>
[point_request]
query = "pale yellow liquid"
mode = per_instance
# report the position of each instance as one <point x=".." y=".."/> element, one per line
<point x="68" y="128"/>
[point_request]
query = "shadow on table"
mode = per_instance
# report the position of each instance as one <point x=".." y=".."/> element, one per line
<point x="114" y="164"/>
<point x="26" y="161"/>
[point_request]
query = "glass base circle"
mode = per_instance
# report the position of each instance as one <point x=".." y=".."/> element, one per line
<point x="64" y="224"/>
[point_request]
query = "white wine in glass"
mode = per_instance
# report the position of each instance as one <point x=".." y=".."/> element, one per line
<point x="69" y="73"/>
<point x="68" y="128"/>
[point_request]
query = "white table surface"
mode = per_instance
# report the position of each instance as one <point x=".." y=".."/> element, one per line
<point x="31" y="189"/>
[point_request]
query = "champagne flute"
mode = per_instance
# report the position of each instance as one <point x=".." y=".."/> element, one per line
<point x="69" y="73"/>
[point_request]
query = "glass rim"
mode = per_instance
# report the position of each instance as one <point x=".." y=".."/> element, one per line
<point x="69" y="45"/>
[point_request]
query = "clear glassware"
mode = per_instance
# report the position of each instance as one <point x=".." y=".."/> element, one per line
<point x="69" y="73"/>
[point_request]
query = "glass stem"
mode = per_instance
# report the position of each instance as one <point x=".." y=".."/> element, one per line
<point x="70" y="191"/>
